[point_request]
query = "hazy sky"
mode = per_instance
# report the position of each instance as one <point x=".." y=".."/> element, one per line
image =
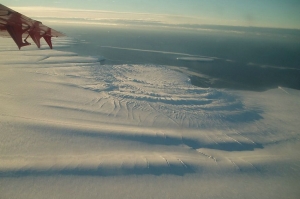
<point x="269" y="13"/>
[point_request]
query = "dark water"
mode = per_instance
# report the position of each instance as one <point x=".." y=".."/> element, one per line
<point x="250" y="59"/>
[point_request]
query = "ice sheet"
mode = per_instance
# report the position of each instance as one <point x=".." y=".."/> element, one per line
<point x="73" y="128"/>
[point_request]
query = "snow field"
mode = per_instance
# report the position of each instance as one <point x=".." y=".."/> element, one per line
<point x="72" y="128"/>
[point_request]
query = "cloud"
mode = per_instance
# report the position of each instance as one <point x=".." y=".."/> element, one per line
<point x="111" y="18"/>
<point x="100" y="15"/>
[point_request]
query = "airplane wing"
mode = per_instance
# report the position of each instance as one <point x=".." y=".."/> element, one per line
<point x="18" y="26"/>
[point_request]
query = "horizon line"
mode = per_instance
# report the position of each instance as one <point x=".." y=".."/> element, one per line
<point x="227" y="24"/>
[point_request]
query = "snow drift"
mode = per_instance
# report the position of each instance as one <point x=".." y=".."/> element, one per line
<point x="72" y="128"/>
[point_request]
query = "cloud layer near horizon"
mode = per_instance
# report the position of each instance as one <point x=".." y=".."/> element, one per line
<point x="108" y="17"/>
<point x="103" y="17"/>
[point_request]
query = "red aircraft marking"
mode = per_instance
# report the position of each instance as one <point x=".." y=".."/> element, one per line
<point x="18" y="26"/>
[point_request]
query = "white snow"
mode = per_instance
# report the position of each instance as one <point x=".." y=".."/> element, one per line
<point x="71" y="128"/>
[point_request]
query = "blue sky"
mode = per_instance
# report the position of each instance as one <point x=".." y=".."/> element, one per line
<point x="266" y="13"/>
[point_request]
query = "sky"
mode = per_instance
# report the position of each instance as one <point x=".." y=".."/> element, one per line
<point x="261" y="13"/>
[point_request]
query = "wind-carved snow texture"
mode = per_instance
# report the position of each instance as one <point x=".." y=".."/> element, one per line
<point x="66" y="115"/>
<point x="155" y="96"/>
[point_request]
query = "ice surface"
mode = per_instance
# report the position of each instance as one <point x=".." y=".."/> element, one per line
<point x="71" y="128"/>
<point x="198" y="59"/>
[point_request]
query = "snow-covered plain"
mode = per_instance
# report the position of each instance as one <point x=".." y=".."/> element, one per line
<point x="72" y="128"/>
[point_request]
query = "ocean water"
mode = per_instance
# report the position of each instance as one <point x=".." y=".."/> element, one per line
<point x="219" y="57"/>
